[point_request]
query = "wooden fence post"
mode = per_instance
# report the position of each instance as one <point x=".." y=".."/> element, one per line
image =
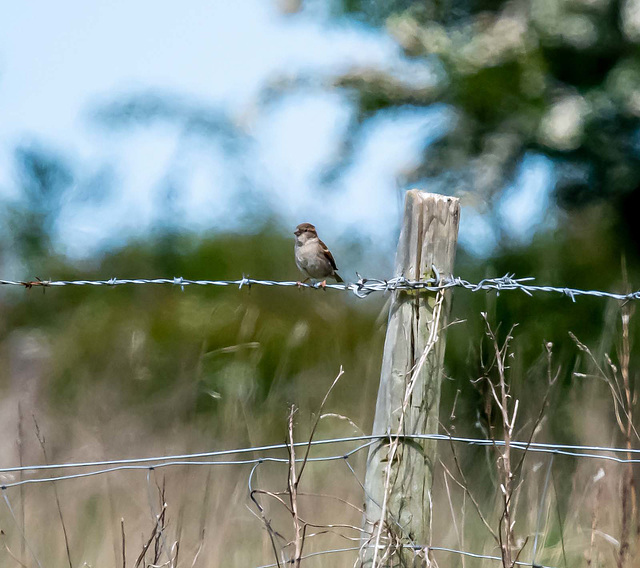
<point x="399" y="471"/>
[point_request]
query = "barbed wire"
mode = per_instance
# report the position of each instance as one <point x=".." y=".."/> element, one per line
<point x="151" y="463"/>
<point x="361" y="287"/>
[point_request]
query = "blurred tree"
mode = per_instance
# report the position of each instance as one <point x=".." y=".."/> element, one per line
<point x="553" y="77"/>
<point x="559" y="78"/>
<point x="43" y="179"/>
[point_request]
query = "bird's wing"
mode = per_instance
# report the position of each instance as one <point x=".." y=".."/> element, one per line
<point x="327" y="254"/>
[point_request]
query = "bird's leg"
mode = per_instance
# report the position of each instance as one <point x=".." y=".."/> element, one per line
<point x="301" y="283"/>
<point x="323" y="284"/>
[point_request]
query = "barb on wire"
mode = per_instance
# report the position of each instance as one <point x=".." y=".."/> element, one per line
<point x="361" y="287"/>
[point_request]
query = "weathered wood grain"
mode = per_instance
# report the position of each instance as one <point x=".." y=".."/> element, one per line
<point x="428" y="237"/>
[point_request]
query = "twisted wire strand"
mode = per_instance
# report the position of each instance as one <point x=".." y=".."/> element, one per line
<point x="361" y="287"/>
<point x="133" y="467"/>
<point x="148" y="463"/>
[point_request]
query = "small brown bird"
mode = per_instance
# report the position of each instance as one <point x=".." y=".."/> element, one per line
<point x="313" y="257"/>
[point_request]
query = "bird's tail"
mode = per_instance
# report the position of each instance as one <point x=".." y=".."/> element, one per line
<point x="337" y="277"/>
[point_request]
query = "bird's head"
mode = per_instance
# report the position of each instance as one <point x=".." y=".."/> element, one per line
<point x="304" y="232"/>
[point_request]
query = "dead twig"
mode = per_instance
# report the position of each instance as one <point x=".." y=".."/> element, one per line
<point x="124" y="545"/>
<point x="299" y="528"/>
<point x="6" y="547"/>
<point x="508" y="413"/>
<point x="41" y="440"/>
<point x="628" y="493"/>
<point x="151" y="538"/>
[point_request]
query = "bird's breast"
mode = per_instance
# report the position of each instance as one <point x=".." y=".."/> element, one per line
<point x="310" y="259"/>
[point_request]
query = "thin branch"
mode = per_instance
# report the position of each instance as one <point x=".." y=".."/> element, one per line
<point x="315" y="425"/>
<point x="151" y="537"/>
<point x="124" y="546"/>
<point x="41" y="440"/>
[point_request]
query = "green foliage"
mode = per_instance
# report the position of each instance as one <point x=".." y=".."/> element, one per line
<point x="132" y="369"/>
<point x="227" y="362"/>
<point x="553" y="77"/>
<point x="44" y="179"/>
<point x="197" y="349"/>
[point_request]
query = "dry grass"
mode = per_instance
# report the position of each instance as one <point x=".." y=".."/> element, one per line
<point x="495" y="501"/>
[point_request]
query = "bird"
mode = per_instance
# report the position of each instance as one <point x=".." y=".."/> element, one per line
<point x="313" y="258"/>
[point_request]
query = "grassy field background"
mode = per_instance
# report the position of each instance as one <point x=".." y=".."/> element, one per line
<point x="149" y="371"/>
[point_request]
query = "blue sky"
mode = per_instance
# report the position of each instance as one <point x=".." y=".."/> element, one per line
<point x="60" y="61"/>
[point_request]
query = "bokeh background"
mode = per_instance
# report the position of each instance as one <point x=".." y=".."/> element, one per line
<point x="152" y="140"/>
